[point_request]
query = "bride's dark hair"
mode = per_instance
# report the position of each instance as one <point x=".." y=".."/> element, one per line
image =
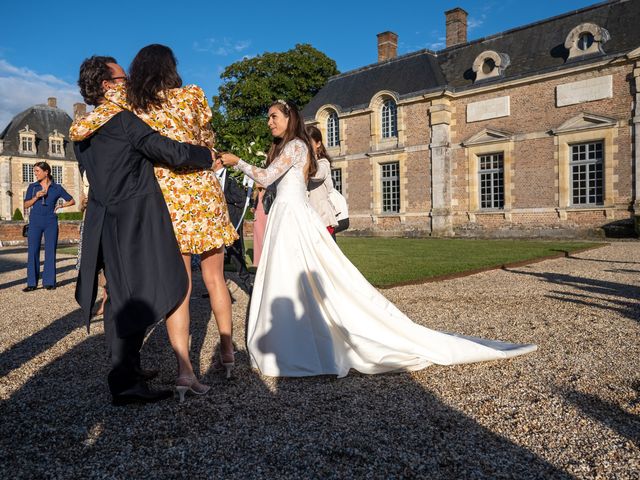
<point x="152" y="71"/>
<point x="295" y="129"/>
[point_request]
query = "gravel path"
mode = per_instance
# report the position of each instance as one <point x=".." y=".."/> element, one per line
<point x="569" y="410"/>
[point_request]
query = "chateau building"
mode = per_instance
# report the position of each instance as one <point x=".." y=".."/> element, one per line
<point x="38" y="134"/>
<point x="532" y="131"/>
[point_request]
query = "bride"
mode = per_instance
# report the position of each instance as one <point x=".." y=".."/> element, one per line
<point x="312" y="312"/>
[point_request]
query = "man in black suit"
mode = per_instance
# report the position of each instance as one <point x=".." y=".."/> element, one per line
<point x="127" y="227"/>
<point x="236" y="197"/>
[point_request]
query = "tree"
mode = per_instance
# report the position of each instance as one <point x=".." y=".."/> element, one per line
<point x="17" y="215"/>
<point x="252" y="84"/>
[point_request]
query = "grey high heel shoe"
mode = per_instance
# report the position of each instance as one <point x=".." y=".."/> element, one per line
<point x="228" y="366"/>
<point x="190" y="384"/>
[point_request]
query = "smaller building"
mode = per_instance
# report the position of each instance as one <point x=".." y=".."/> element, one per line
<point x="40" y="133"/>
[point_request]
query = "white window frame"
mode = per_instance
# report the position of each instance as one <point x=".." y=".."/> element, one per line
<point x="28" y="141"/>
<point x="27" y="173"/>
<point x="336" y="177"/>
<point x="491" y="181"/>
<point x="389" y="119"/>
<point x="57" y="172"/>
<point x="390" y="187"/>
<point x="333" y="130"/>
<point x="587" y="173"/>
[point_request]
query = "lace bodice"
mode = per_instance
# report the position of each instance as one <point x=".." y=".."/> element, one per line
<point x="286" y="172"/>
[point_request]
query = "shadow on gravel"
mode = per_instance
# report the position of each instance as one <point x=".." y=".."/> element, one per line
<point x="573" y="257"/>
<point x="38" y="343"/>
<point x="628" y="306"/>
<point x="624" y="423"/>
<point x="10" y="264"/>
<point x="59" y="271"/>
<point x="60" y="424"/>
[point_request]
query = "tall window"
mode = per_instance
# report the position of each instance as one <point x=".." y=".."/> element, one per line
<point x="390" y="187"/>
<point x="389" y="119"/>
<point x="491" y="180"/>
<point x="27" y="173"/>
<point x="56" y="173"/>
<point x="336" y="176"/>
<point x="333" y="130"/>
<point x="587" y="185"/>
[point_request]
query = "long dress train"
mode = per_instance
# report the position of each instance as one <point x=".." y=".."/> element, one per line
<point x="313" y="313"/>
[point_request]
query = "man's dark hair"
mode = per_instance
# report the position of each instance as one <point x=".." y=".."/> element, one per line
<point x="93" y="71"/>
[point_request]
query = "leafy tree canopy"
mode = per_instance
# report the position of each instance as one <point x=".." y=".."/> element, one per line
<point x="251" y="85"/>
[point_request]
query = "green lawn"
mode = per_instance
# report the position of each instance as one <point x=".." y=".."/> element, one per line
<point x="389" y="261"/>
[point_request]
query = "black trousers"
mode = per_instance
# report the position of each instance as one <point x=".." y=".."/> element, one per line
<point x="235" y="253"/>
<point x="125" y="355"/>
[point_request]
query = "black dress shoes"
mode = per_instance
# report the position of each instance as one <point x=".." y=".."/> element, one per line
<point x="28" y="289"/>
<point x="140" y="394"/>
<point x="49" y="287"/>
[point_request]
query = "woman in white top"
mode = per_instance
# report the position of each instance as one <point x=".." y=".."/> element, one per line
<point x="312" y="312"/>
<point x="320" y="185"/>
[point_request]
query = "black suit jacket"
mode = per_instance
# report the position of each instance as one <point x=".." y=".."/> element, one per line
<point x="127" y="227"/>
<point x="235" y="195"/>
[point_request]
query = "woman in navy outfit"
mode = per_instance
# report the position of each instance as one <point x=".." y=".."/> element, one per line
<point x="42" y="197"/>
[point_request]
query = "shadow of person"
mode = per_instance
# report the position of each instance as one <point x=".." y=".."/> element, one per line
<point x="592" y="288"/>
<point x="626" y="424"/>
<point x="374" y="426"/>
<point x="58" y="422"/>
<point x="298" y="341"/>
<point x="9" y="264"/>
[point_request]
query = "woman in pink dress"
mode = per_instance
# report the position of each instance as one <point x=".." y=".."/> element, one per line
<point x="259" y="224"/>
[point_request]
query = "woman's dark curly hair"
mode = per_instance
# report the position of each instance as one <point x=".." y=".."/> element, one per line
<point x="152" y="71"/>
<point x="93" y="71"/>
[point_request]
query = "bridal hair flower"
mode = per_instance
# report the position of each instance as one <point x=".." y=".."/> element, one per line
<point x="283" y="103"/>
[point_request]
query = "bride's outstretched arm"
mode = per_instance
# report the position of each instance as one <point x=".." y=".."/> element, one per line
<point x="292" y="153"/>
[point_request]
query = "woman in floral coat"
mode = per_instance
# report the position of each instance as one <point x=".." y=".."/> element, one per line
<point x="195" y="200"/>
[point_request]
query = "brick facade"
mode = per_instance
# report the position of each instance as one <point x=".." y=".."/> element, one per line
<point x="532" y="120"/>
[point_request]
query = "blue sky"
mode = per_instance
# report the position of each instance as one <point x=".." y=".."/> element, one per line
<point x="42" y="43"/>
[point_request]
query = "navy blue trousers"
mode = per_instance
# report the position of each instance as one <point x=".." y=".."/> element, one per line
<point x="40" y="225"/>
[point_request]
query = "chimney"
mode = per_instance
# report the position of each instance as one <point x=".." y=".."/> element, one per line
<point x="79" y="109"/>
<point x="387" y="46"/>
<point x="456" y="26"/>
<point x="52" y="102"/>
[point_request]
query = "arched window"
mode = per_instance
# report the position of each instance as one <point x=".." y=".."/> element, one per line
<point x="333" y="130"/>
<point x="389" y="119"/>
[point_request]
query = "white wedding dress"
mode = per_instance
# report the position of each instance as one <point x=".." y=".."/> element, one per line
<point x="313" y="313"/>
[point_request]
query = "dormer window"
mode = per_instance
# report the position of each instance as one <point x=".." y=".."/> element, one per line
<point x="27" y="143"/>
<point x="56" y="144"/>
<point x="586" y="39"/>
<point x="490" y="64"/>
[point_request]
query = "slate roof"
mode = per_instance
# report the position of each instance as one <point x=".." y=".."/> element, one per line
<point x="43" y="120"/>
<point x="532" y="49"/>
